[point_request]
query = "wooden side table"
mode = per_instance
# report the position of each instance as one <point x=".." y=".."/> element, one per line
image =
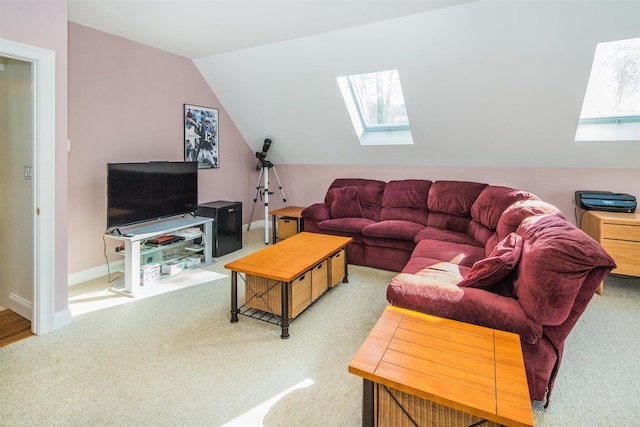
<point x="294" y="212"/>
<point x="619" y="235"/>
<point x="424" y="370"/>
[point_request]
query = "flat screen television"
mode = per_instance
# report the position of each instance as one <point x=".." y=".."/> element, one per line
<point x="140" y="192"/>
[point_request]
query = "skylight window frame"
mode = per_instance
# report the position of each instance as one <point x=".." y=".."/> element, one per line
<point x="387" y="127"/>
<point x="618" y="120"/>
<point x="599" y="125"/>
<point x="379" y="135"/>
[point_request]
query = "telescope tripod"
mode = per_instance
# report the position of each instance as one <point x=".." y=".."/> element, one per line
<point x="264" y="178"/>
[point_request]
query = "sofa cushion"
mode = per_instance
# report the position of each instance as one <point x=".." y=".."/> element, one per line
<point x="378" y="242"/>
<point x="449" y="222"/>
<point x="433" y="233"/>
<point x="433" y="284"/>
<point x="344" y="202"/>
<point x="419" y="216"/>
<point x="453" y="197"/>
<point x="479" y="232"/>
<point x="500" y="262"/>
<point x="418" y="264"/>
<point x="393" y="229"/>
<point x="556" y="259"/>
<point x="345" y="225"/>
<point x="370" y="193"/>
<point x="514" y="214"/>
<point x="493" y="201"/>
<point x="409" y="193"/>
<point x="455" y="253"/>
<point x="406" y="200"/>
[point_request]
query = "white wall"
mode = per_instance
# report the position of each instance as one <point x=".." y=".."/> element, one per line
<point x="489" y="83"/>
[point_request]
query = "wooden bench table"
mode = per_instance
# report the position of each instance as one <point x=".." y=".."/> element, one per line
<point x="285" y="262"/>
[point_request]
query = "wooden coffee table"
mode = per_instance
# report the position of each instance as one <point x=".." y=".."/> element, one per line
<point x="424" y="370"/>
<point x="285" y="262"/>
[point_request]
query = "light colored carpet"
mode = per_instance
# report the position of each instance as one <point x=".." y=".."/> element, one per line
<point x="175" y="359"/>
<point x="96" y="294"/>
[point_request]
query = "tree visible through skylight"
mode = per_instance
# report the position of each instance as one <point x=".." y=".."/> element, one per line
<point x="376" y="107"/>
<point x="613" y="91"/>
<point x="380" y="100"/>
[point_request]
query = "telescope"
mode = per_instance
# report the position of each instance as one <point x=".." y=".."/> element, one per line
<point x="262" y="156"/>
<point x="263" y="190"/>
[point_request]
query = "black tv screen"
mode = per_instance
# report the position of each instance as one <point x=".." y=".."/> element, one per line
<point x="139" y="192"/>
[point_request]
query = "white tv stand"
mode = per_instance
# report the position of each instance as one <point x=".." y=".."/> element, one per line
<point x="133" y="236"/>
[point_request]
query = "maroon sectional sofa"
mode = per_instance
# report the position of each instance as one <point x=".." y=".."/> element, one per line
<point x="488" y="255"/>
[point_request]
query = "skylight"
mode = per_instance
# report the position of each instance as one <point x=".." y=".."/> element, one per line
<point x="611" y="107"/>
<point x="376" y="105"/>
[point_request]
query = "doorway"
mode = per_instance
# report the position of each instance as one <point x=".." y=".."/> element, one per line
<point x="16" y="186"/>
<point x="38" y="302"/>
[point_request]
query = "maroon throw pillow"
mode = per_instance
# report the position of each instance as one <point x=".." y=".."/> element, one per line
<point x="344" y="202"/>
<point x="500" y="262"/>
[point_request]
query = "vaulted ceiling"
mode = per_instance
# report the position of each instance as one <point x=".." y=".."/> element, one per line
<point x="198" y="28"/>
<point x="486" y="82"/>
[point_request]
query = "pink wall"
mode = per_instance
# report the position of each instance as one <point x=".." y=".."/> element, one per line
<point x="306" y="184"/>
<point x="43" y="23"/>
<point x="125" y="105"/>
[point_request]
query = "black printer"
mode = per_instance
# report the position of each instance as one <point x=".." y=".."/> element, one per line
<point x="605" y="201"/>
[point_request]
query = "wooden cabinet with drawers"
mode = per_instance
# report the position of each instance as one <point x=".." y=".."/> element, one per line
<point x="619" y="235"/>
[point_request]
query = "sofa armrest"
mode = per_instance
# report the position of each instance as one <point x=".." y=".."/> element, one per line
<point x="318" y="212"/>
<point x="476" y="306"/>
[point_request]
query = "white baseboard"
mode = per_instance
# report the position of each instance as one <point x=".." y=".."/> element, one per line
<point x="21" y="306"/>
<point x="256" y="224"/>
<point x="62" y="318"/>
<point x="24" y="308"/>
<point x="94" y="273"/>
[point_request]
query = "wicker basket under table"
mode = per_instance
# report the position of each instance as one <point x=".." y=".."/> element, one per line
<point x="394" y="408"/>
<point x="266" y="294"/>
<point x="287" y="227"/>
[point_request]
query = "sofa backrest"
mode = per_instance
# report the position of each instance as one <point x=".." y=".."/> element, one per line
<point x="369" y="193"/>
<point x="513" y="215"/>
<point x="406" y="200"/>
<point x="488" y="208"/>
<point x="450" y="202"/>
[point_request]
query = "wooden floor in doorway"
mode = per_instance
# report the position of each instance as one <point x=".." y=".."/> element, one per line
<point x="13" y="327"/>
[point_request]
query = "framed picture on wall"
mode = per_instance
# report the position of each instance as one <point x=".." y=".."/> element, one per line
<point x="201" y="136"/>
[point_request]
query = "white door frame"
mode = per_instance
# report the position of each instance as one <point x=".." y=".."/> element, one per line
<point x="44" y="159"/>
